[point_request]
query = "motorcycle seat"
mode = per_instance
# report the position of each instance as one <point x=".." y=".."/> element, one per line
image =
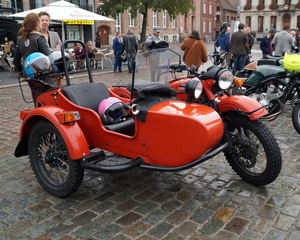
<point x="125" y="127"/>
<point x="145" y="88"/>
<point x="88" y="95"/>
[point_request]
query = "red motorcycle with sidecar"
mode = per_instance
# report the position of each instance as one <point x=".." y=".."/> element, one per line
<point x="89" y="126"/>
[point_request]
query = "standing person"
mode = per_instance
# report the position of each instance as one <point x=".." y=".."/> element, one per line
<point x="31" y="40"/>
<point x="118" y="50"/>
<point x="266" y="43"/>
<point x="130" y="46"/>
<point x="224" y="43"/>
<point x="247" y="30"/>
<point x="195" y="51"/>
<point x="152" y="60"/>
<point x="98" y="40"/>
<point x="239" y="48"/>
<point x="51" y="37"/>
<point x="282" y="41"/>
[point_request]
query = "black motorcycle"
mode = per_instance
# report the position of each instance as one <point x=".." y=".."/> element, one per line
<point x="273" y="86"/>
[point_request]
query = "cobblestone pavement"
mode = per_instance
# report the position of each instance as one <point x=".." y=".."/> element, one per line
<point x="208" y="201"/>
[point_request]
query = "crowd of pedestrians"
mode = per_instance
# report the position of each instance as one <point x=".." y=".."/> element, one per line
<point x="236" y="46"/>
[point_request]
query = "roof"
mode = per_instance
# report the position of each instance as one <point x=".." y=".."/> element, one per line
<point x="228" y="6"/>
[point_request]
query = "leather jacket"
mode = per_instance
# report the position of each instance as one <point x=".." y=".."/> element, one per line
<point x="36" y="42"/>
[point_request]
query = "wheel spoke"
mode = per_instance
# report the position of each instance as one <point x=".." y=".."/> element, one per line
<point x="56" y="167"/>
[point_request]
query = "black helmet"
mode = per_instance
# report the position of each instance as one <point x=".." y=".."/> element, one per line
<point x="123" y="58"/>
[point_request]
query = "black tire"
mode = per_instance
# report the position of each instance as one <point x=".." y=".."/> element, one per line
<point x="59" y="175"/>
<point x="296" y="117"/>
<point x="253" y="153"/>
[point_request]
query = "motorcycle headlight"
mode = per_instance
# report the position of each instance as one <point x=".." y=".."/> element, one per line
<point x="225" y="79"/>
<point x="194" y="88"/>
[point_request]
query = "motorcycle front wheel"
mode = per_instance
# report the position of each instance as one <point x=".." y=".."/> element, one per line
<point x="296" y="117"/>
<point x="253" y="152"/>
<point x="49" y="158"/>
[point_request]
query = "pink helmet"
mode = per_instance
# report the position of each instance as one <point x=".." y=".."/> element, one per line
<point x="111" y="110"/>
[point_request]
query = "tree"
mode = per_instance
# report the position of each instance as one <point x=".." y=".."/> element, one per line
<point x="174" y="7"/>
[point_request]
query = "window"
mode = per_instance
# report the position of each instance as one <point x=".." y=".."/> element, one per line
<point x="274" y="2"/>
<point x="209" y="26"/>
<point x="35" y="4"/>
<point x="118" y="23"/>
<point x="165" y="19"/>
<point x="185" y="22"/>
<point x="154" y="19"/>
<point x="261" y="2"/>
<point x="131" y="21"/>
<point x="210" y="8"/>
<point x="193" y="22"/>
<point x="298" y="21"/>
<point x="273" y="22"/>
<point x="260" y="27"/>
<point x="174" y="23"/>
<point x="248" y="21"/>
<point x="249" y="2"/>
<point x="141" y="21"/>
<point x="204" y="7"/>
<point x="204" y="25"/>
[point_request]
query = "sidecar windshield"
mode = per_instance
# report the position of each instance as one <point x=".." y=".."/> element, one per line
<point x="153" y="71"/>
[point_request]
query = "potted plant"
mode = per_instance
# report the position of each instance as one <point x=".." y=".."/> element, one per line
<point x="273" y="6"/>
<point x="247" y="7"/>
<point x="260" y="7"/>
<point x="297" y="5"/>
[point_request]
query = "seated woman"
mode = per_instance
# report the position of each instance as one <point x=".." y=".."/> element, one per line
<point x="91" y="49"/>
<point x="79" y="54"/>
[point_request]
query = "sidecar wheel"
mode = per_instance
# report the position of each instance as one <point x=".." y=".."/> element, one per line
<point x="49" y="158"/>
<point x="253" y="153"/>
<point x="296" y="117"/>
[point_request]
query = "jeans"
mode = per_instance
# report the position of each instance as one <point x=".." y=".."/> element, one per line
<point x="130" y="59"/>
<point x="239" y="62"/>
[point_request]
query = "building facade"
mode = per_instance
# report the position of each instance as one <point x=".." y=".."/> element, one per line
<point x="207" y="17"/>
<point x="263" y="15"/>
<point x="202" y="18"/>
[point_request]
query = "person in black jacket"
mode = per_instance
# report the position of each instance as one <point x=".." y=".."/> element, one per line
<point x="30" y="40"/>
<point x="130" y="46"/>
<point x="266" y="43"/>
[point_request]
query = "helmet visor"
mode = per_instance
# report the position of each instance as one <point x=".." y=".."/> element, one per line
<point x="115" y="112"/>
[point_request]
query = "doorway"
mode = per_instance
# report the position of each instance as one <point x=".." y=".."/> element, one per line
<point x="104" y="34"/>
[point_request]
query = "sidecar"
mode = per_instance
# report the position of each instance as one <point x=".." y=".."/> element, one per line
<point x="65" y="134"/>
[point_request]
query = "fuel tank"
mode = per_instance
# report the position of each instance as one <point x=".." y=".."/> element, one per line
<point x="263" y="72"/>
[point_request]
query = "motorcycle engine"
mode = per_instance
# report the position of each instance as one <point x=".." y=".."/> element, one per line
<point x="264" y="99"/>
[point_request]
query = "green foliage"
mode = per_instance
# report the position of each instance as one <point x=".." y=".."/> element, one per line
<point x="174" y="7"/>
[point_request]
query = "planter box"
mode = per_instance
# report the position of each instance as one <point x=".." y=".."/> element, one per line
<point x="260" y="7"/>
<point x="273" y="7"/>
<point x="247" y="7"/>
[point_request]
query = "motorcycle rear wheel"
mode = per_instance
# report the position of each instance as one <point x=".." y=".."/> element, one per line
<point x="254" y="153"/>
<point x="296" y="117"/>
<point x="56" y="172"/>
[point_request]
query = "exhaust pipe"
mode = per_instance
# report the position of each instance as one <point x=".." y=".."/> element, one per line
<point x="271" y="117"/>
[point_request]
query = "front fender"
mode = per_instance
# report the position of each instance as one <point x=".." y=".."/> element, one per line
<point x="242" y="103"/>
<point x="72" y="134"/>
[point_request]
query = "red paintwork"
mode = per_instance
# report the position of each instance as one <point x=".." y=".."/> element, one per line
<point x="242" y="103"/>
<point x="72" y="134"/>
<point x="174" y="133"/>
